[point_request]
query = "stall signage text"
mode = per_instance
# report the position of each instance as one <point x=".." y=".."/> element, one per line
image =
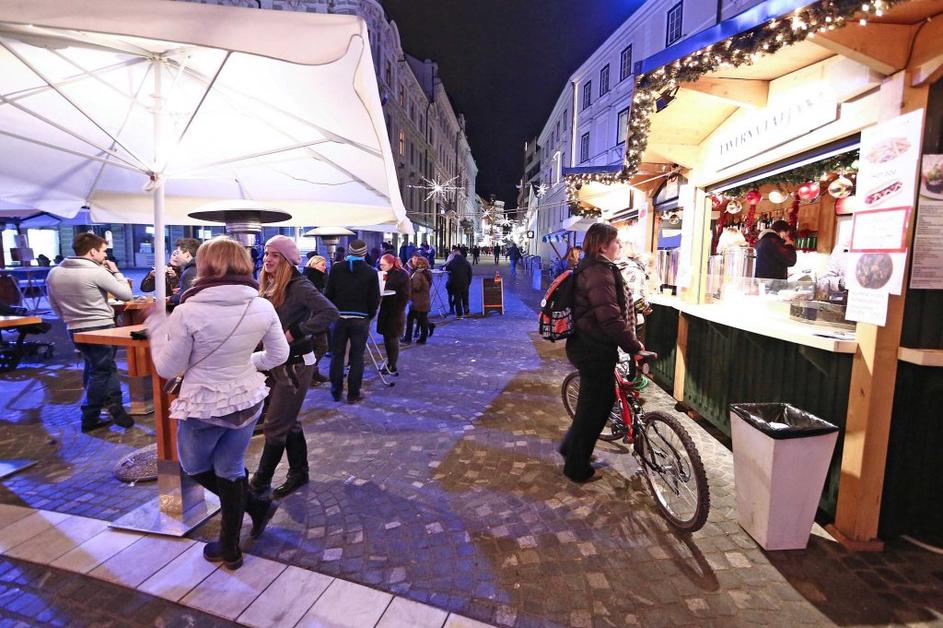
<point x="772" y="127"/>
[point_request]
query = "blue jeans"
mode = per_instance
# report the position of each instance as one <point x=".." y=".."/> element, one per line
<point x="204" y="447"/>
<point x="355" y="332"/>
<point x="100" y="380"/>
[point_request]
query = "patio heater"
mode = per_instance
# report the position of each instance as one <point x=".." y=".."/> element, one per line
<point x="330" y="236"/>
<point x="243" y="225"/>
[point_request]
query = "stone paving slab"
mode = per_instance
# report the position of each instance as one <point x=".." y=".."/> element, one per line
<point x="446" y="490"/>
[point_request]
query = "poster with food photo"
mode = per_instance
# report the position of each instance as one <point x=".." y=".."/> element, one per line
<point x="888" y="166"/>
<point x="931" y="177"/>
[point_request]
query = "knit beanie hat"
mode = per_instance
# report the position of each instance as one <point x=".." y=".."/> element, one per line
<point x="357" y="248"/>
<point x="286" y="246"/>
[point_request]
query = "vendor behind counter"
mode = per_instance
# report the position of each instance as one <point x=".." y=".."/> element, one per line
<point x="775" y="252"/>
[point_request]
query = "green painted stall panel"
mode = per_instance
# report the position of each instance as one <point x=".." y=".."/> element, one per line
<point x="727" y="365"/>
<point x="912" y="501"/>
<point x="661" y="336"/>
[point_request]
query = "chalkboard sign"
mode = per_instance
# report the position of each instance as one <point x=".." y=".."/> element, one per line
<point x="492" y="294"/>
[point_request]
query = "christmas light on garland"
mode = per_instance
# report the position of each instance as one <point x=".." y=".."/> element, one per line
<point x="844" y="164"/>
<point x="741" y="49"/>
<point x="574" y="182"/>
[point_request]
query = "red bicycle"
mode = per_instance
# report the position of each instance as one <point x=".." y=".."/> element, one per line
<point x="665" y="451"/>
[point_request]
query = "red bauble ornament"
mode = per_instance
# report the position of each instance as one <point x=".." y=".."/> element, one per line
<point x="753" y="197"/>
<point x="717" y="201"/>
<point x="809" y="191"/>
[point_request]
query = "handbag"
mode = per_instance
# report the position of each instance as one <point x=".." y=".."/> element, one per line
<point x="172" y="386"/>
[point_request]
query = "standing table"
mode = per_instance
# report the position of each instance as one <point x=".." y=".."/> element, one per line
<point x="139" y="385"/>
<point x="9" y="467"/>
<point x="434" y="291"/>
<point x="181" y="504"/>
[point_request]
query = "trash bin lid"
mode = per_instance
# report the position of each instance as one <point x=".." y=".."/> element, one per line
<point x="782" y="420"/>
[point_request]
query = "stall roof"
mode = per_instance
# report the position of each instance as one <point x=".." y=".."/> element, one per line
<point x="749" y="19"/>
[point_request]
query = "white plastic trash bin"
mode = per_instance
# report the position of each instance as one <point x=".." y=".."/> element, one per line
<point x="781" y="456"/>
<point x="536" y="277"/>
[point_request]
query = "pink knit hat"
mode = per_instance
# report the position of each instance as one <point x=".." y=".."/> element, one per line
<point x="286" y="246"/>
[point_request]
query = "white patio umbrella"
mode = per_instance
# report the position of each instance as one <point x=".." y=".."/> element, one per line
<point x="148" y="110"/>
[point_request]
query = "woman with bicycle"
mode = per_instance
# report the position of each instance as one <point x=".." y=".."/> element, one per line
<point x="604" y="323"/>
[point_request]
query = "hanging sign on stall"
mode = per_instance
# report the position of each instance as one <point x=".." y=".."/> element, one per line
<point x="886" y="189"/>
<point x="926" y="272"/>
<point x="867" y="306"/>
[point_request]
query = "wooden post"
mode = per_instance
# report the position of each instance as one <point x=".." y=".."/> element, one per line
<point x="873" y="378"/>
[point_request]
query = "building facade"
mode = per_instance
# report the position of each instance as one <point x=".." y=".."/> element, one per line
<point x="588" y="124"/>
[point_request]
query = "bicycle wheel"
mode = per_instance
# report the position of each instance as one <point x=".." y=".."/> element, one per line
<point x="674" y="472"/>
<point x="570" y="392"/>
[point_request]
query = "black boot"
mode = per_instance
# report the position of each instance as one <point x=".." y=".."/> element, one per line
<point x="260" y="510"/>
<point x="297" y="450"/>
<point x="120" y="416"/>
<point x="232" y="506"/>
<point x="207" y="480"/>
<point x="261" y="481"/>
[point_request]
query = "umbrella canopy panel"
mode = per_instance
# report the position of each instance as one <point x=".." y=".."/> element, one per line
<point x="98" y="108"/>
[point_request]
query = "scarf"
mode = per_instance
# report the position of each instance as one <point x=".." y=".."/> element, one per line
<point x="353" y="258"/>
<point x="212" y="282"/>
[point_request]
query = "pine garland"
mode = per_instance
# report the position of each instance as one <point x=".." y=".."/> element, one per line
<point x="846" y="164"/>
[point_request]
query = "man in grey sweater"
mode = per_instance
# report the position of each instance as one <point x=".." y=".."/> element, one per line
<point x="78" y="294"/>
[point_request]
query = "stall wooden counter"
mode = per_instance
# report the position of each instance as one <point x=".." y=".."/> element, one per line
<point x="181" y="504"/>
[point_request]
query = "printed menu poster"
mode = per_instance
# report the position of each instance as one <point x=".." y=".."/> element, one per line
<point x="926" y="272"/>
<point x="886" y="187"/>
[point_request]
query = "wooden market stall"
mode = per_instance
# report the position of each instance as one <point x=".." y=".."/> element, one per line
<point x="782" y="116"/>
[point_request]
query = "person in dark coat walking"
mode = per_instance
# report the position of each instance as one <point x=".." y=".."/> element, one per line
<point x="303" y="313"/>
<point x="420" y="298"/>
<point x="460" y="278"/>
<point x="353" y="287"/>
<point x="775" y="252"/>
<point x="496" y="249"/>
<point x="391" y="319"/>
<point x="604" y="323"/>
<point x="476" y="253"/>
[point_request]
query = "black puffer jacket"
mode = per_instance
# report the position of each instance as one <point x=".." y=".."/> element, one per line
<point x="603" y="321"/>
<point x="460" y="273"/>
<point x="773" y="256"/>
<point x="305" y="313"/>
<point x="354" y="288"/>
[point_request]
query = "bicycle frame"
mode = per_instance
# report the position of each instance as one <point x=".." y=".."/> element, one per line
<point x="628" y="396"/>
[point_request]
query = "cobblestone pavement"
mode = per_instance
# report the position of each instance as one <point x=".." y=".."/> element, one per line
<point x="446" y="489"/>
<point x="34" y="595"/>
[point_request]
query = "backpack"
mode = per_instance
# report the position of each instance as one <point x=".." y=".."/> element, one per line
<point x="556" y="320"/>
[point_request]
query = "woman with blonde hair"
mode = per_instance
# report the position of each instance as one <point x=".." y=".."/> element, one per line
<point x="303" y="313"/>
<point x="210" y="341"/>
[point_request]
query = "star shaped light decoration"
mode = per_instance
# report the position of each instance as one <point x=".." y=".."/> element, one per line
<point x="542" y="190"/>
<point x="436" y="189"/>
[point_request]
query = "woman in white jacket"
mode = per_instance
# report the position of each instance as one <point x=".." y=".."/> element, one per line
<point x="210" y="339"/>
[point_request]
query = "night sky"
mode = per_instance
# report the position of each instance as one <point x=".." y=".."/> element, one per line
<point x="504" y="62"/>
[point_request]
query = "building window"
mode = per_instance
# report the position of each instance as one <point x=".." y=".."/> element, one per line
<point x="556" y="169"/>
<point x="673" y="31"/>
<point x="604" y="80"/>
<point x="565" y="118"/>
<point x="402" y="143"/>
<point x="625" y="63"/>
<point x="587" y="94"/>
<point x="584" y="147"/>
<point x="623" y="129"/>
<point x="389" y="73"/>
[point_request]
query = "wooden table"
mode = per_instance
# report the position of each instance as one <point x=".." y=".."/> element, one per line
<point x="139" y="384"/>
<point x="9" y="467"/>
<point x="181" y="504"/>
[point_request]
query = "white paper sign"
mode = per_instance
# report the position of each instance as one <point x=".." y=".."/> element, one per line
<point x="926" y="273"/>
<point x="867" y="306"/>
<point x="880" y="230"/>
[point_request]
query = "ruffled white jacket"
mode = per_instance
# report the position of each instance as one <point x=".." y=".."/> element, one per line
<point x="228" y="380"/>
